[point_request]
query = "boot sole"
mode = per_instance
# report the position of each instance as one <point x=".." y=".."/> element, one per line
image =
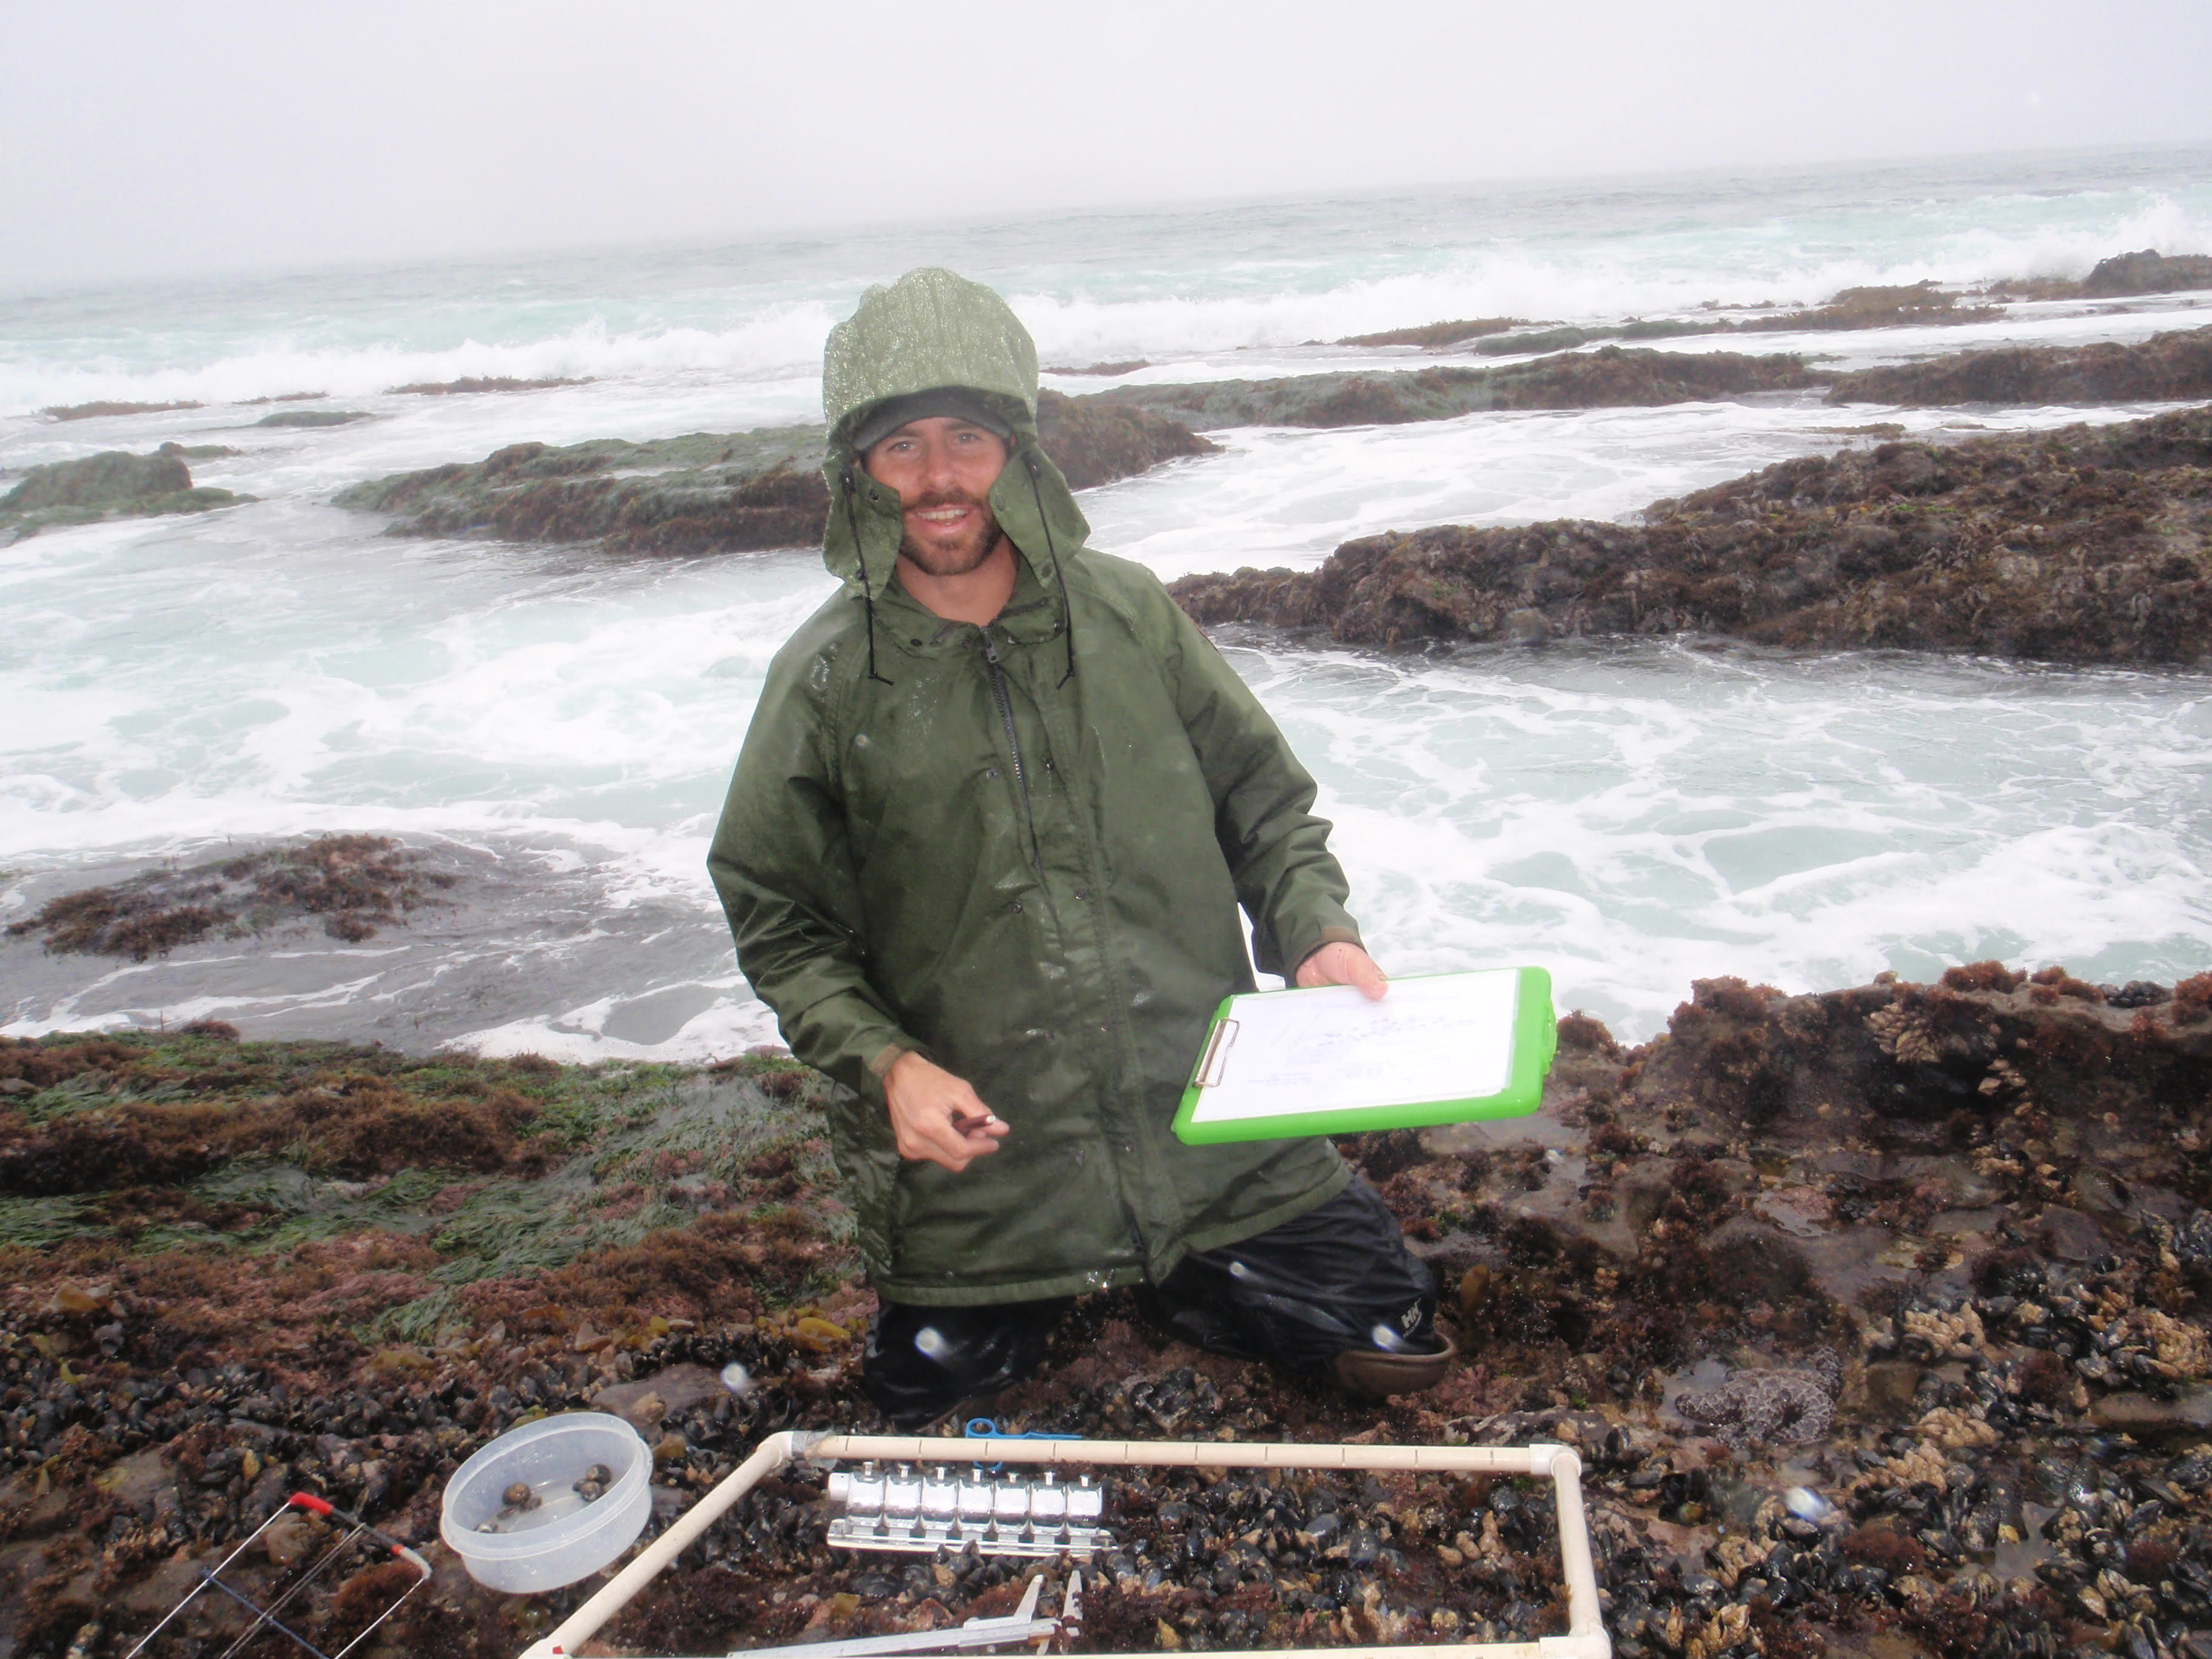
<point x="1376" y="1375"/>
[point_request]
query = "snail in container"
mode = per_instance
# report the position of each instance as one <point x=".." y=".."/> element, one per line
<point x="519" y="1499"/>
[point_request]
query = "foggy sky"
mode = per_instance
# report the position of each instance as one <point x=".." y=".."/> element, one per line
<point x="142" y="140"/>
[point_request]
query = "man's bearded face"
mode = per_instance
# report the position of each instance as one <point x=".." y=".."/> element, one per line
<point x="943" y="469"/>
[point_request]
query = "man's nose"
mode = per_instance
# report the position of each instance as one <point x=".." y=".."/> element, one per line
<point x="937" y="467"/>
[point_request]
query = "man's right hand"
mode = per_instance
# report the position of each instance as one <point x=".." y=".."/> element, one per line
<point x="927" y="1103"/>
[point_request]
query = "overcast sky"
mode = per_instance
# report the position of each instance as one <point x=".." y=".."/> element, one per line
<point x="141" y="140"/>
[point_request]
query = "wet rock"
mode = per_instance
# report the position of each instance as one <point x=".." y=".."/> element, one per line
<point x="2166" y="366"/>
<point x="1890" y="306"/>
<point x="2186" y="1419"/>
<point x="672" y="1391"/>
<point x="710" y="492"/>
<point x="110" y="485"/>
<point x="475" y="383"/>
<point x="1093" y="442"/>
<point x="1890" y="1386"/>
<point x="311" y="418"/>
<point x="1434" y="335"/>
<point x="98" y="410"/>
<point x="2082" y="545"/>
<point x="1610" y="378"/>
<point x="352" y="885"/>
<point x="2146" y="270"/>
<point x="1895" y="306"/>
<point x="1525" y="626"/>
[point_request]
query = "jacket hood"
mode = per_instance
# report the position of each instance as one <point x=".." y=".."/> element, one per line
<point x="932" y="330"/>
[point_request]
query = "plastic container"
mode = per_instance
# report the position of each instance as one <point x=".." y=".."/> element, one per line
<point x="560" y="1537"/>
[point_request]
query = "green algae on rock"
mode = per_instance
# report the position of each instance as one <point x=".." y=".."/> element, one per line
<point x="701" y="492"/>
<point x="314" y="417"/>
<point x="2083" y="545"/>
<point x="113" y="484"/>
<point x="709" y="492"/>
<point x="96" y="411"/>
<point x="469" y="383"/>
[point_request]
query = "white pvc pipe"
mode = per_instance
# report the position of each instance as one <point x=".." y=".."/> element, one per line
<point x="774" y="1453"/>
<point x="1585" y="1638"/>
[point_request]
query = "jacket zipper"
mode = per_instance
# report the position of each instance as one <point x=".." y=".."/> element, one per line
<point x="998" y="674"/>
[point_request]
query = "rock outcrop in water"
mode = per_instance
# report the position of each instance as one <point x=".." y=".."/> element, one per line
<point x="113" y="484"/>
<point x="711" y="492"/>
<point x="1610" y="378"/>
<point x="313" y="418"/>
<point x="1878" y="1317"/>
<point x="352" y="885"/>
<point x="2172" y="366"/>
<point x="2169" y="367"/>
<point x="756" y="490"/>
<point x="1436" y="335"/>
<point x="2124" y="275"/>
<point x="99" y="410"/>
<point x="471" y="383"/>
<point x="2085" y="544"/>
<point x="1909" y="305"/>
<point x="701" y="494"/>
<point x="2146" y="271"/>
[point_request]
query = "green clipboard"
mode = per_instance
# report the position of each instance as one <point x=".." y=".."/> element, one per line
<point x="1439" y="1048"/>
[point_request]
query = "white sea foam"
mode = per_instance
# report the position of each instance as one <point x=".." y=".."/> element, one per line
<point x="780" y="340"/>
<point x="1635" y="817"/>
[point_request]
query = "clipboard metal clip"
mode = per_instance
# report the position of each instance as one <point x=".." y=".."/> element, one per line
<point x="1215" y="1060"/>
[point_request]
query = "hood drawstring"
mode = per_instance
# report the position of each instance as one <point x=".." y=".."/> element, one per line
<point x="1067" y="611"/>
<point x="867" y="593"/>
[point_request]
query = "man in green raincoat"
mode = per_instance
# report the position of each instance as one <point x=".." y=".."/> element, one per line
<point x="984" y="855"/>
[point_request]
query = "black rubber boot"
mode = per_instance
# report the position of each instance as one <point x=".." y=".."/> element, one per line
<point x="1335" y="1289"/>
<point x="922" y="1362"/>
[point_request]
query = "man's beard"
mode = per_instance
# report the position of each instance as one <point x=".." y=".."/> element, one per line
<point x="962" y="556"/>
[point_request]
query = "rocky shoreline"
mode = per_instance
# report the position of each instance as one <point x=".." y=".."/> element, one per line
<point x="2088" y="545"/>
<point x="709" y="492"/>
<point x="754" y="491"/>
<point x="1879" y="1316"/>
<point x="2170" y="366"/>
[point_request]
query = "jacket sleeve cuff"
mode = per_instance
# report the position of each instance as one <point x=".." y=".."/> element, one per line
<point x="1331" y="934"/>
<point x="880" y="1063"/>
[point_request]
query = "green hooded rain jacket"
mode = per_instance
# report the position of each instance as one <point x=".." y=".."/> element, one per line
<point x="1022" y="850"/>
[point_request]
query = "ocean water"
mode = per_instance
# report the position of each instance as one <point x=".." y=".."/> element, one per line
<point x="557" y="726"/>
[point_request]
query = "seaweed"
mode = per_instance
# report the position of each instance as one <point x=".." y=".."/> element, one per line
<point x="354" y="884"/>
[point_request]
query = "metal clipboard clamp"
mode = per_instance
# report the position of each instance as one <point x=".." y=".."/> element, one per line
<point x="1214" y="1063"/>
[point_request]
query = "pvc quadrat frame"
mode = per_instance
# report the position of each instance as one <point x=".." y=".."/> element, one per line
<point x="1585" y="1638"/>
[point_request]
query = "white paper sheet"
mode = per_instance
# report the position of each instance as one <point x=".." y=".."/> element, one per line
<point x="1449" y="1037"/>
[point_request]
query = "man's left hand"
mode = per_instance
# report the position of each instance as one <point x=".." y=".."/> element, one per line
<point x="1344" y="964"/>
